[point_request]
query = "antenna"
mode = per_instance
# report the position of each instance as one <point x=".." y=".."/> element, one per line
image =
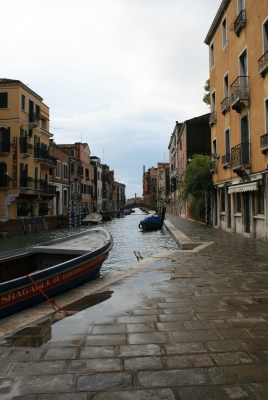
<point x="94" y="140"/>
<point x="103" y="156"/>
<point x="54" y="132"/>
<point x="81" y="134"/>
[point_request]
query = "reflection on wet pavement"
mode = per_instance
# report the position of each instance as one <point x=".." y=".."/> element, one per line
<point x="101" y="307"/>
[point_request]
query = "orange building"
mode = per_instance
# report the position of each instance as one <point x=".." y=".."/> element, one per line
<point x="238" y="59"/>
<point x="25" y="159"/>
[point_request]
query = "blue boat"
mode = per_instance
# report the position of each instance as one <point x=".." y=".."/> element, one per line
<point x="153" y="222"/>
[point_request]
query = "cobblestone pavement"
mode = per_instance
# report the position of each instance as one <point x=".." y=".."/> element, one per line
<point x="198" y="330"/>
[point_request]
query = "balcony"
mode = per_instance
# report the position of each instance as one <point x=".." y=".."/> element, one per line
<point x="47" y="190"/>
<point x="43" y="156"/>
<point x="239" y="23"/>
<point x="239" y="93"/>
<point x="240" y="159"/>
<point x="34" y="119"/>
<point x="264" y="143"/>
<point x="25" y="148"/>
<point x="214" y="166"/>
<point x="5" y="147"/>
<point x="263" y="64"/>
<point x="26" y="182"/>
<point x="212" y="118"/>
<point x="225" y="105"/>
<point x="226" y="161"/>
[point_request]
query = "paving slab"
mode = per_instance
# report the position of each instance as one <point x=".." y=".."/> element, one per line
<point x="198" y="330"/>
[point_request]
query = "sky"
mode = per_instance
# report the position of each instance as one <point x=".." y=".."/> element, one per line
<point x="116" y="74"/>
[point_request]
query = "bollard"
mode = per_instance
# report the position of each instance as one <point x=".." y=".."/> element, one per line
<point x="70" y="214"/>
<point x="23" y="224"/>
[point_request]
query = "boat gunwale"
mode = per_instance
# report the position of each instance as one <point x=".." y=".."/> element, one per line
<point x="41" y="275"/>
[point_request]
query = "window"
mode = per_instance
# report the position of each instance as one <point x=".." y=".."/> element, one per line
<point x="241" y="5"/>
<point x="266" y="115"/>
<point x="213" y="101"/>
<point x="37" y="110"/>
<point x="265" y="36"/>
<point x="65" y="198"/>
<point x="4" y="140"/>
<point x="243" y="64"/>
<point x="87" y="173"/>
<point x="227" y="146"/>
<point x="223" y="200"/>
<point x="212" y="60"/>
<point x="65" y="171"/>
<point x="72" y="152"/>
<point x="224" y="33"/>
<point x="3" y="174"/>
<point x="23" y="102"/>
<point x="58" y="169"/>
<point x="226" y="85"/>
<point x="36" y="178"/>
<point x="3" y="99"/>
<point x="260" y="194"/>
<point x="72" y="168"/>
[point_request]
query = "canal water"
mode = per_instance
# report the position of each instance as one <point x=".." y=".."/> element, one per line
<point x="126" y="235"/>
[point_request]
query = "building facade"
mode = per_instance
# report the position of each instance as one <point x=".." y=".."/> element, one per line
<point x="25" y="158"/>
<point x="238" y="45"/>
<point x="163" y="183"/>
<point x="97" y="190"/>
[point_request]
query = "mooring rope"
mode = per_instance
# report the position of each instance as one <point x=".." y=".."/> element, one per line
<point x="52" y="301"/>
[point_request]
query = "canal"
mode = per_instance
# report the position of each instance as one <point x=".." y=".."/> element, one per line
<point x="126" y="235"/>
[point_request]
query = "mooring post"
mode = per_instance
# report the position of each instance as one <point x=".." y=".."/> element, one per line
<point x="23" y="224"/>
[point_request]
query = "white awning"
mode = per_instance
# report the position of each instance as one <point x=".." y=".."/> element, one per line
<point x="246" y="187"/>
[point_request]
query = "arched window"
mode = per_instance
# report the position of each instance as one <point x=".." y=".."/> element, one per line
<point x="65" y="198"/>
<point x="3" y="174"/>
<point x="4" y="139"/>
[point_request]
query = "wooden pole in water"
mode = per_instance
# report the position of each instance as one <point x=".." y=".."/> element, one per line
<point x="163" y="215"/>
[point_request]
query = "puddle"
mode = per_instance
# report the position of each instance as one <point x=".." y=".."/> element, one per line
<point x="99" y="308"/>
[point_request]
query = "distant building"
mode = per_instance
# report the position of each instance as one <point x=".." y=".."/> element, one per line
<point x="150" y="186"/>
<point x="98" y="186"/>
<point x="163" y="183"/>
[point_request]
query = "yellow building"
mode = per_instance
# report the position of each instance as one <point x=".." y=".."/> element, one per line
<point x="238" y="59"/>
<point x="24" y="152"/>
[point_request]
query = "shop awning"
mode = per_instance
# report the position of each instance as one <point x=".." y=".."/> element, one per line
<point x="246" y="187"/>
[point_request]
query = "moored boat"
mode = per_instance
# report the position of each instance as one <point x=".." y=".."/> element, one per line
<point x="93" y="218"/>
<point x="54" y="267"/>
<point x="153" y="222"/>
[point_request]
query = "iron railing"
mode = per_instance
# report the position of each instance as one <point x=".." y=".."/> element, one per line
<point x="226" y="159"/>
<point x="33" y="117"/>
<point x="239" y="88"/>
<point x="26" y="181"/>
<point x="212" y="118"/>
<point x="45" y="188"/>
<point x="214" y="166"/>
<point x="240" y="21"/>
<point x="225" y="105"/>
<point x="25" y="147"/>
<point x="240" y="154"/>
<point x="263" y="62"/>
<point x="5" y="146"/>
<point x="264" y="141"/>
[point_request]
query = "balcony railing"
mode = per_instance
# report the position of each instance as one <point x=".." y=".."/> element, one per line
<point x="225" y="105"/>
<point x="240" y="92"/>
<point x="212" y="118"/>
<point x="25" y="147"/>
<point x="5" y="146"/>
<point x="240" y="155"/>
<point x="46" y="189"/>
<point x="239" y="23"/>
<point x="214" y="166"/>
<point x="264" y="142"/>
<point x="263" y="64"/>
<point x="226" y="160"/>
<point x="33" y="117"/>
<point x="25" y="182"/>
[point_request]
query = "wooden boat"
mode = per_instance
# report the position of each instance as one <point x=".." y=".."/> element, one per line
<point x="153" y="222"/>
<point x="55" y="266"/>
<point x="93" y="218"/>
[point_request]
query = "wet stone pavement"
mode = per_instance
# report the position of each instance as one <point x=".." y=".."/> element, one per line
<point x="191" y="325"/>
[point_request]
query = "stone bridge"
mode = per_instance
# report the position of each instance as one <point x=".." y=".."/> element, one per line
<point x="140" y="205"/>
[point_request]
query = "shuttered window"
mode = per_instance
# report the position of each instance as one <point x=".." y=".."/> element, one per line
<point x="3" y="99"/>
